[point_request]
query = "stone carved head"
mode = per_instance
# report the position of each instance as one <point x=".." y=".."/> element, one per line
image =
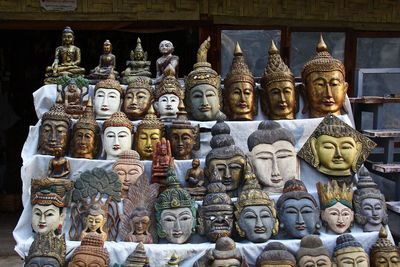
<point x="384" y="252"/>
<point x="90" y="252"/>
<point x="47" y="250"/>
<point x="276" y="254"/>
<point x="349" y="251"/>
<point x="117" y="135"/>
<point x="138" y="98"/>
<point x="108" y="95"/>
<point x="313" y="253"/>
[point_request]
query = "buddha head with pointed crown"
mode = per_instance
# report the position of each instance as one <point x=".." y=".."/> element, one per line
<point x="384" y="253"/>
<point x="138" y="98"/>
<point x="117" y="135"/>
<point x="46" y="250"/>
<point x="108" y="95"/>
<point x="349" y="252"/>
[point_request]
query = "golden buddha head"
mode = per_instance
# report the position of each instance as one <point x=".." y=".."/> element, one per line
<point x="138" y="98"/>
<point x="384" y="253"/>
<point x="276" y="254"/>
<point x="91" y="252"/>
<point x="324" y="81"/>
<point x="349" y="252"/>
<point x="68" y="36"/>
<point x="312" y="253"/>
<point x="107" y="47"/>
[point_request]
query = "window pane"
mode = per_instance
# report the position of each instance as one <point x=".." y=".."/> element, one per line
<point x="378" y="53"/>
<point x="303" y="45"/>
<point x="254" y="44"/>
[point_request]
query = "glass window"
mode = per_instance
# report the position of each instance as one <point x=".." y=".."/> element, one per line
<point x="378" y="53"/>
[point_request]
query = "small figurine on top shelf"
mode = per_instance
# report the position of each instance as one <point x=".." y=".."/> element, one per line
<point x="167" y="59"/>
<point x="137" y="65"/>
<point x="195" y="179"/>
<point x="106" y="65"/>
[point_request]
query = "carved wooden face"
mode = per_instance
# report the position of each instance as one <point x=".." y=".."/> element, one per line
<point x="257" y="222"/>
<point x="338" y="217"/>
<point x="166" y="47"/>
<point x="95" y="223"/>
<point x="356" y="258"/>
<point x="52" y="136"/>
<point x="140" y="224"/>
<point x="226" y="263"/>
<point x="84" y="143"/>
<point x="67" y="38"/>
<point x="116" y="140"/>
<point x="146" y="139"/>
<point x="136" y="103"/>
<point x="106" y="102"/>
<point x="205" y="102"/>
<point x="314" y="261"/>
<point x="83" y="259"/>
<point x="240" y="101"/>
<point x="373" y="210"/>
<point x="280" y="100"/>
<point x="46" y="218"/>
<point x="128" y="175"/>
<point x="167" y="106"/>
<point x="217" y="223"/>
<point x="177" y="224"/>
<point x="42" y="262"/>
<point x="385" y="259"/>
<point x="182" y="142"/>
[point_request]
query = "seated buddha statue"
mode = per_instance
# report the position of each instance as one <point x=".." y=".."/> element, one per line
<point x="106" y="65"/>
<point x="67" y="59"/>
<point x="137" y="65"/>
<point x="59" y="166"/>
<point x="195" y="180"/>
<point x="161" y="161"/>
<point x="167" y="59"/>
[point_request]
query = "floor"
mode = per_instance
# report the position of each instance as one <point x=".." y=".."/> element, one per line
<point x="8" y="257"/>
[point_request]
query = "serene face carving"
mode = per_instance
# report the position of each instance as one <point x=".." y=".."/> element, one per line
<point x="205" y="102"/>
<point x="166" y="47"/>
<point x="46" y="218"/>
<point x="83" y="143"/>
<point x="107" y="48"/>
<point x="140" y="224"/>
<point x="299" y="217"/>
<point x="218" y="223"/>
<point x="315" y="261"/>
<point x="116" y="140"/>
<point x="230" y="169"/>
<point x="95" y="222"/>
<point x="127" y="174"/>
<point x="167" y="106"/>
<point x="177" y="224"/>
<point x="373" y="210"/>
<point x="326" y="92"/>
<point x="146" y="140"/>
<point x="106" y="102"/>
<point x="67" y="38"/>
<point x="42" y="262"/>
<point x="240" y="98"/>
<point x="136" y="103"/>
<point x="257" y="222"/>
<point x="226" y="263"/>
<point x="182" y="142"/>
<point x="87" y="260"/>
<point x="274" y="164"/>
<point x="281" y="100"/>
<point x="385" y="259"/>
<point x="356" y="258"/>
<point x="338" y="217"/>
<point x="53" y="135"/>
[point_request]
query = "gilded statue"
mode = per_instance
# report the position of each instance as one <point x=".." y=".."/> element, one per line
<point x="137" y="65"/>
<point x="91" y="252"/>
<point x="138" y="98"/>
<point x="312" y="252"/>
<point x="167" y="59"/>
<point x="117" y="135"/>
<point x="384" y="253"/>
<point x="106" y="65"/>
<point x="349" y="252"/>
<point x="276" y="254"/>
<point x="195" y="179"/>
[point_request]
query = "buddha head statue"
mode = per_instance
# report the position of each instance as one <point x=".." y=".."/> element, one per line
<point x="336" y="149"/>
<point x="384" y="253"/>
<point x="47" y="250"/>
<point x="85" y="135"/>
<point x="312" y="253"/>
<point x="148" y="133"/>
<point x="48" y="212"/>
<point x="91" y="252"/>
<point x="349" y="252"/>
<point x="95" y="221"/>
<point x="273" y="156"/>
<point x="324" y="82"/>
<point x="298" y="211"/>
<point x="276" y="254"/>
<point x="175" y="211"/>
<point x="336" y="206"/>
<point x="239" y="95"/>
<point x="54" y="129"/>
<point x="203" y="88"/>
<point x="168" y="95"/>
<point x="129" y="168"/>
<point x="138" y="98"/>
<point x="108" y="95"/>
<point x="369" y="203"/>
<point x="279" y="96"/>
<point x="184" y="136"/>
<point x="225" y="156"/>
<point x="67" y="36"/>
<point x="117" y="135"/>
<point x="216" y="213"/>
<point x="137" y="258"/>
<point x="255" y="212"/>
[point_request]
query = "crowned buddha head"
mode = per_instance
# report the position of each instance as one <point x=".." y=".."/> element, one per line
<point x="298" y="211"/>
<point x="108" y="95"/>
<point x="91" y="252"/>
<point x="239" y="95"/>
<point x="225" y="156"/>
<point x="276" y="254"/>
<point x="138" y="98"/>
<point x="46" y="250"/>
<point x="95" y="221"/>
<point x="148" y="133"/>
<point x="54" y="129"/>
<point x="349" y="252"/>
<point x="255" y="212"/>
<point x="175" y="211"/>
<point x="203" y="88"/>
<point x="273" y="155"/>
<point x="85" y="135"/>
<point x="312" y="253"/>
<point x="278" y="97"/>
<point x="137" y="258"/>
<point x="369" y="203"/>
<point x="117" y="135"/>
<point x="384" y="253"/>
<point x="216" y="213"/>
<point x="336" y="206"/>
<point x="324" y="81"/>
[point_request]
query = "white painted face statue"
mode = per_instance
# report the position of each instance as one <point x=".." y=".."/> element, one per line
<point x="106" y="102"/>
<point x="177" y="224"/>
<point x="116" y="140"/>
<point x="46" y="218"/>
<point x="167" y="106"/>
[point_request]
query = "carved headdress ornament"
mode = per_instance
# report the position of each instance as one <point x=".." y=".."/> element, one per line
<point x="118" y="119"/>
<point x="93" y="244"/>
<point x="311" y="245"/>
<point x="88" y="120"/>
<point x="110" y="83"/>
<point x="140" y="82"/>
<point x="57" y="112"/>
<point x="239" y="71"/>
<point x="331" y="193"/>
<point x="216" y="197"/>
<point x="46" y="198"/>
<point x="129" y="157"/>
<point x="48" y="245"/>
<point x="276" y="253"/>
<point x="294" y="189"/>
<point x="383" y="244"/>
<point x="169" y="84"/>
<point x="68" y="29"/>
<point x="269" y="132"/>
<point x="138" y="258"/>
<point x="150" y="121"/>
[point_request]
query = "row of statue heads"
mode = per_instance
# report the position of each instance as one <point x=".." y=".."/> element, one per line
<point x="323" y="91"/>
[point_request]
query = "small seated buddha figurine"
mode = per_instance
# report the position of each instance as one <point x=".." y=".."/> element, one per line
<point x="91" y="252"/>
<point x="336" y="149"/>
<point x="86" y="135"/>
<point x="59" y="166"/>
<point x="240" y="101"/>
<point x="195" y="179"/>
<point x="216" y="213"/>
<point x="108" y="95"/>
<point x="273" y="156"/>
<point x="73" y="91"/>
<point x="203" y="96"/>
<point x="67" y="59"/>
<point x="298" y="211"/>
<point x="168" y="95"/>
<point x="255" y="212"/>
<point x="278" y="97"/>
<point x="225" y="253"/>
<point x="369" y="203"/>
<point x="336" y="204"/>
<point x="312" y="253"/>
<point x="184" y="136"/>
<point x="324" y="82"/>
<point x="148" y="133"/>
<point x="95" y="221"/>
<point x="167" y="59"/>
<point x="161" y="160"/>
<point x="137" y="258"/>
<point x="106" y="65"/>
<point x="276" y="254"/>
<point x="54" y="130"/>
<point x="226" y="157"/>
<point x="137" y="65"/>
<point x="47" y="250"/>
<point x="384" y="252"/>
<point x="349" y="252"/>
<point x="117" y="135"/>
<point x="175" y="211"/>
<point x="138" y="98"/>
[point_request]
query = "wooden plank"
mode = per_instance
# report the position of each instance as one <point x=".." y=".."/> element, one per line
<point x="384" y="133"/>
<point x="375" y="99"/>
<point x="386" y="168"/>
